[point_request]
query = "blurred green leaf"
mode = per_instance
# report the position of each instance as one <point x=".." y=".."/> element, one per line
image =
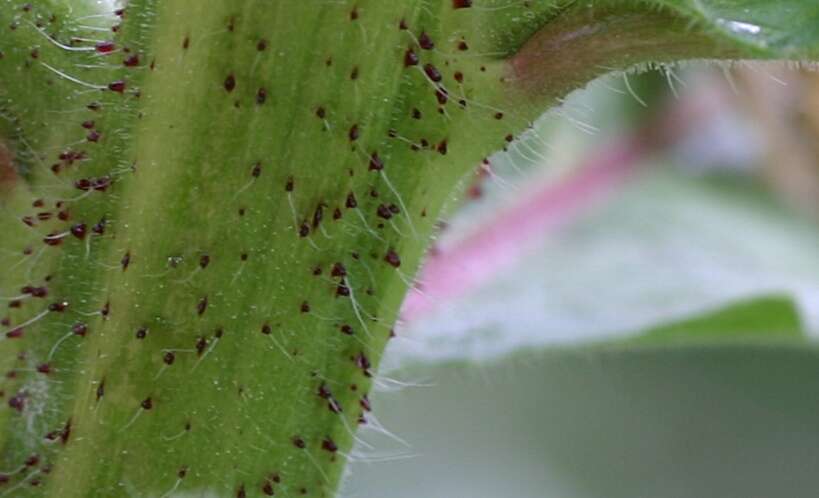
<point x="769" y="317"/>
<point x="785" y="28"/>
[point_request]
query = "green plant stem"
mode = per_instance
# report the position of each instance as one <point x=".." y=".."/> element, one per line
<point x="236" y="199"/>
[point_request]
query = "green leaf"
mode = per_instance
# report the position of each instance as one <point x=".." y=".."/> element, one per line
<point x="783" y="29"/>
<point x="763" y="318"/>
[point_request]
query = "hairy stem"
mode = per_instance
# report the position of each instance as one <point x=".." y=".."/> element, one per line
<point x="211" y="212"/>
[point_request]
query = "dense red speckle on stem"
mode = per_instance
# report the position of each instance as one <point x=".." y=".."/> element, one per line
<point x="338" y="270"/>
<point x="58" y="306"/>
<point x="39" y="292"/>
<point x="363" y="363"/>
<point x="104" y="47"/>
<point x="117" y="86"/>
<point x="65" y="433"/>
<point x="267" y="489"/>
<point x="410" y="58"/>
<point x="79" y="329"/>
<point x="392" y="258"/>
<point x="432" y="72"/>
<point x="202" y="306"/>
<point x="461" y="4"/>
<point x="230" y="83"/>
<point x="266" y="214"/>
<point x="327" y="444"/>
<point x="131" y="61"/>
<point x="383" y="211"/>
<point x="15" y="333"/>
<point x="318" y="215"/>
<point x="375" y="162"/>
<point x="201" y="344"/>
<point x="99" y="228"/>
<point x="364" y="402"/>
<point x="425" y="42"/>
<point x="99" y="184"/>
<point x="79" y="230"/>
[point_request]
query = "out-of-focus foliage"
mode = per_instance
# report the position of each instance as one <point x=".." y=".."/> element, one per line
<point x="654" y="345"/>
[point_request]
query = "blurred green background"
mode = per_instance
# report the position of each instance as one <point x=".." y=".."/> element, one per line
<point x="657" y="342"/>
